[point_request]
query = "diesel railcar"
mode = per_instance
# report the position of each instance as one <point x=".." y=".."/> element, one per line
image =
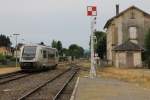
<point x="38" y="57"/>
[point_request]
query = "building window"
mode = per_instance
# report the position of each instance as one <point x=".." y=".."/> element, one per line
<point x="133" y="32"/>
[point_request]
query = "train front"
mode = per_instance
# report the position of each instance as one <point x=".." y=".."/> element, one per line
<point x="28" y="58"/>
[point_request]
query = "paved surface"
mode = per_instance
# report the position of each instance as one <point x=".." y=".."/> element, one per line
<point x="109" y="89"/>
<point x="9" y="70"/>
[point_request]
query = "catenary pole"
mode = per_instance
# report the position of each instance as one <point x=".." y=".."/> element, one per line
<point x="16" y="35"/>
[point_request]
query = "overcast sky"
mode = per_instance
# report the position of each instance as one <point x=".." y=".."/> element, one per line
<point x="64" y="20"/>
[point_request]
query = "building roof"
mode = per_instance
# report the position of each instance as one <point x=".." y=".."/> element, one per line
<point x="121" y="13"/>
<point x="128" y="46"/>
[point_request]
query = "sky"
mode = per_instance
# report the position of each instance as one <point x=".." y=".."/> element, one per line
<point x="64" y="20"/>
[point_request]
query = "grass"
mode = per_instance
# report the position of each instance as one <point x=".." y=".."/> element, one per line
<point x="137" y="76"/>
<point x="9" y="64"/>
<point x="140" y="77"/>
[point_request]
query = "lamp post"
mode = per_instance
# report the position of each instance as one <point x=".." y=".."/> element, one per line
<point x="16" y="35"/>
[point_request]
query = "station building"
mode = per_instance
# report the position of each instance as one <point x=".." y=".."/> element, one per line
<point x="125" y="37"/>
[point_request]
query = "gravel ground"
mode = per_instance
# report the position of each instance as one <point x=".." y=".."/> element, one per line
<point x="13" y="77"/>
<point x="49" y="91"/>
<point x="15" y="89"/>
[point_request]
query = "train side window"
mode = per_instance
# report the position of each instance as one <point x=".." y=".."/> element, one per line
<point x="51" y="55"/>
<point x="44" y="54"/>
<point x="56" y="54"/>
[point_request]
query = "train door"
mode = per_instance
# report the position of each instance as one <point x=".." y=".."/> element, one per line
<point x="51" y="57"/>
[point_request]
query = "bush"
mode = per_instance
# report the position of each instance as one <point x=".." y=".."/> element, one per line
<point x="13" y="59"/>
<point x="3" y="59"/>
<point x="147" y="48"/>
<point x="8" y="57"/>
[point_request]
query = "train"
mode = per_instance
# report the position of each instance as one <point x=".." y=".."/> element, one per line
<point x="34" y="57"/>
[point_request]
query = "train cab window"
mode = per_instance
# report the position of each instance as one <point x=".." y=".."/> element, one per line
<point x="44" y="54"/>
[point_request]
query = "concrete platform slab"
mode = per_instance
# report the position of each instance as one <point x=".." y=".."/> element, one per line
<point x="108" y="89"/>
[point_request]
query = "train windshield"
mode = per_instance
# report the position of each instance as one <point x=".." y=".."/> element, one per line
<point x="29" y="52"/>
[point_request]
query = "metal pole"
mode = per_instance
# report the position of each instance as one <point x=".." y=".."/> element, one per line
<point x="16" y="48"/>
<point x="92" y="71"/>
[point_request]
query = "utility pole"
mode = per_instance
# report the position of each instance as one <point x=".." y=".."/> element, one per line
<point x="16" y="35"/>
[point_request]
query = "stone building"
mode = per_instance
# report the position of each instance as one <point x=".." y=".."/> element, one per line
<point x="125" y="37"/>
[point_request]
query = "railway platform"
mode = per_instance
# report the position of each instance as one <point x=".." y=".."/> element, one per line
<point x="108" y="89"/>
<point x="5" y="70"/>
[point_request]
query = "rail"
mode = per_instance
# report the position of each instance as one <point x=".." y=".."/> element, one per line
<point x="64" y="86"/>
<point x="42" y="85"/>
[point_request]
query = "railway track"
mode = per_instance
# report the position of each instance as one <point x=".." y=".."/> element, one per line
<point x="9" y="74"/>
<point x="60" y="92"/>
<point x="12" y="76"/>
<point x="58" y="83"/>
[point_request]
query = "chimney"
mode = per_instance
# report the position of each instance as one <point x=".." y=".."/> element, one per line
<point x="117" y="9"/>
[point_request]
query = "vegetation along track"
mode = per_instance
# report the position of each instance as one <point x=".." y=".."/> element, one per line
<point x="12" y="76"/>
<point x="52" y="88"/>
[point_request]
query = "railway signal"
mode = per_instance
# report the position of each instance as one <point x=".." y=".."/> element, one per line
<point x="92" y="11"/>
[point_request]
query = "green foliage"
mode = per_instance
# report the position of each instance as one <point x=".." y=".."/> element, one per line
<point x="58" y="46"/>
<point x="73" y="50"/>
<point x="54" y="44"/>
<point x="100" y="47"/>
<point x="2" y="57"/>
<point x="65" y="52"/>
<point x="147" y="47"/>
<point x="5" y="41"/>
<point x="76" y="51"/>
<point x="13" y="59"/>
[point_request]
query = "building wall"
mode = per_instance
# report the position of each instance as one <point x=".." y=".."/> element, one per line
<point x="118" y="30"/>
<point x="137" y="21"/>
<point x="137" y="59"/>
<point x="120" y="60"/>
<point x="109" y="45"/>
<point x="5" y="51"/>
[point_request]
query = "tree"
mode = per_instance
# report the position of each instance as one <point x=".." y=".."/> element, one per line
<point x="65" y="51"/>
<point x="59" y="47"/>
<point x="147" y="47"/>
<point x="54" y="44"/>
<point x="5" y="41"/>
<point x="100" y="47"/>
<point x="76" y="51"/>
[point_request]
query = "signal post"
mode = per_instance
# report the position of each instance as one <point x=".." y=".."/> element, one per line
<point x="92" y="12"/>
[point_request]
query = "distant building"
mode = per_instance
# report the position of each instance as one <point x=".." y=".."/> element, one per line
<point x="6" y="51"/>
<point x="18" y="50"/>
<point x="125" y="37"/>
